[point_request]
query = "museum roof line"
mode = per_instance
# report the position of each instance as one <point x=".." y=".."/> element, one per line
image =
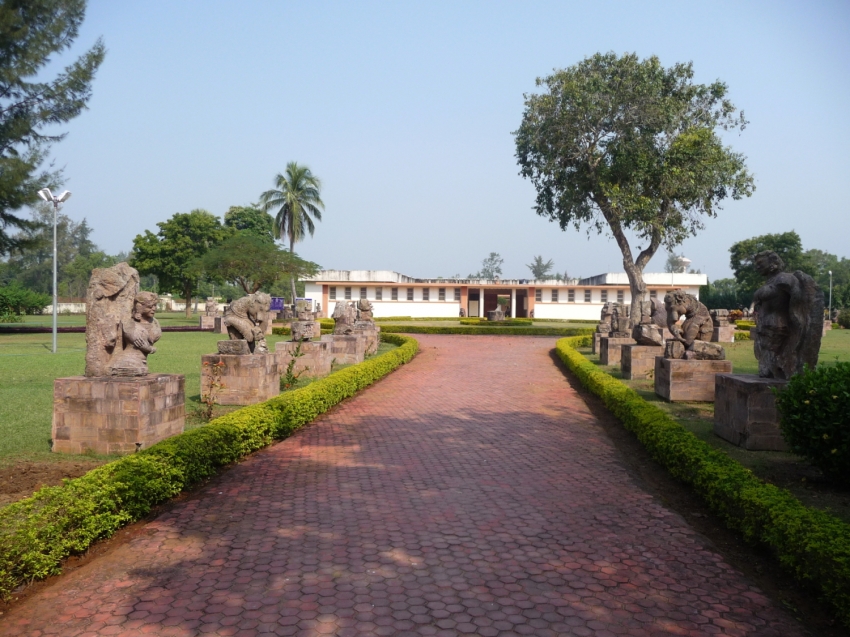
<point x="610" y="278"/>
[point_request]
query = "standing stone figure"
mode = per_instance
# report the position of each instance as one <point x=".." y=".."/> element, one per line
<point x="621" y="324"/>
<point x="692" y="338"/>
<point x="139" y="332"/>
<point x="344" y="316"/>
<point x="364" y="310"/>
<point x="789" y="327"/>
<point x="606" y="318"/>
<point x="653" y="320"/>
<point x="246" y="320"/>
<point x="109" y="301"/>
<point x="211" y="308"/>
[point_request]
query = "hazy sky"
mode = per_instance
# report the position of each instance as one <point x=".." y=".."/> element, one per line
<point x="405" y="111"/>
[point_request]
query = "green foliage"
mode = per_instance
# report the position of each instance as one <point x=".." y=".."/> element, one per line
<point x="15" y="300"/>
<point x="174" y="253"/>
<point x="722" y="294"/>
<point x="511" y="322"/>
<point x="814" y="413"/>
<point x="31" y="34"/>
<point x="491" y="267"/>
<point x="844" y="319"/>
<point x="37" y="533"/>
<point x="488" y="329"/>
<point x="252" y="262"/>
<point x="540" y="269"/>
<point x="741" y="336"/>
<point x="812" y="544"/>
<point x="250" y="220"/>
<point x="787" y="245"/>
<point x="624" y="145"/>
<point x="745" y="325"/>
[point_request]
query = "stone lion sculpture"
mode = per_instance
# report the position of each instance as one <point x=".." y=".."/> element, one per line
<point x="364" y="310"/>
<point x="344" y="316"/>
<point x="246" y="319"/>
<point x="694" y="334"/>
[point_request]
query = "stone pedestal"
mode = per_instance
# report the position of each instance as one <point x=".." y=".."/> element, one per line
<point x="371" y="333"/>
<point x="116" y="415"/>
<point x="610" y="349"/>
<point x="246" y="379"/>
<point x="638" y="361"/>
<point x="346" y="349"/>
<point x="827" y="325"/>
<point x="314" y="360"/>
<point x="208" y="322"/>
<point x="745" y="412"/>
<point x="597" y="336"/>
<point x="680" y="380"/>
<point x="725" y="334"/>
<point x="218" y="325"/>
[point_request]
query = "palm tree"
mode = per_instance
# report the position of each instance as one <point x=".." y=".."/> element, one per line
<point x="296" y="201"/>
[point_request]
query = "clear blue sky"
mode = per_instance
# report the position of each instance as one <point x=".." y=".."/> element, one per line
<point x="405" y="111"/>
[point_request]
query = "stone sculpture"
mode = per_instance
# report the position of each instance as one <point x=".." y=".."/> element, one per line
<point x="109" y="301"/>
<point x="653" y="320"/>
<point x="139" y="333"/>
<point x="246" y="320"/>
<point x="605" y="319"/>
<point x="789" y="325"/>
<point x="692" y="338"/>
<point x="621" y="325"/>
<point x="364" y="310"/>
<point x="720" y="318"/>
<point x="344" y="316"/>
<point x="211" y="308"/>
<point x="304" y="327"/>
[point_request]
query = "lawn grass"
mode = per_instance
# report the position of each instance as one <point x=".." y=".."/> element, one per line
<point x="783" y="469"/>
<point x="166" y="319"/>
<point x="28" y="368"/>
<point x="456" y="323"/>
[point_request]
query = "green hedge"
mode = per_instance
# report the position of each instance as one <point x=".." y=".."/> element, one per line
<point x="37" y="533"/>
<point x="510" y="322"/>
<point x="470" y="329"/>
<point x="285" y="331"/>
<point x="812" y="544"/>
<point x="543" y="320"/>
<point x="417" y="318"/>
<point x="741" y="336"/>
<point x="744" y="325"/>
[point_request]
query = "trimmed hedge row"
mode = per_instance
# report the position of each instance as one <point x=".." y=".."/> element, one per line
<point x="812" y="544"/>
<point x="744" y="325"/>
<point x="510" y="322"/>
<point x="37" y="533"/>
<point x="470" y="329"/>
<point x="285" y="331"/>
<point x="416" y="318"/>
<point x="741" y="336"/>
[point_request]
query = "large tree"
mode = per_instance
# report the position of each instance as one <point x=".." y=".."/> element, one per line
<point x="31" y="33"/>
<point x="253" y="263"/>
<point x="174" y="253"/>
<point x="541" y="269"/>
<point x="252" y="220"/>
<point x="623" y="145"/>
<point x="742" y="255"/>
<point x="295" y="200"/>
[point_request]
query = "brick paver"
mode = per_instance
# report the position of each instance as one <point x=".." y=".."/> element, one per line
<point x="471" y="492"/>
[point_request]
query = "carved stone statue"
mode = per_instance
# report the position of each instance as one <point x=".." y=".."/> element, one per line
<point x="462" y="313"/>
<point x="364" y="310"/>
<point x="653" y="319"/>
<point x="211" y="308"/>
<point x="344" y="316"/>
<point x="246" y="319"/>
<point x="605" y="319"/>
<point x="789" y="325"/>
<point x="692" y="338"/>
<point x="621" y="324"/>
<point x="139" y="332"/>
<point x="109" y="301"/>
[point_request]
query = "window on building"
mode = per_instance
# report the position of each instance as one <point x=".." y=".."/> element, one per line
<point x="409" y="294"/>
<point x="394" y="294"/>
<point x="347" y="294"/>
<point x="619" y="296"/>
<point x="554" y="296"/>
<point x="379" y="294"/>
<point x="362" y="293"/>
<point x="442" y="294"/>
<point x="538" y="295"/>
<point x="332" y="293"/>
<point x="653" y="294"/>
<point x="603" y="296"/>
<point x="587" y="296"/>
<point x="457" y="295"/>
<point x="426" y="294"/>
<point x="571" y="296"/>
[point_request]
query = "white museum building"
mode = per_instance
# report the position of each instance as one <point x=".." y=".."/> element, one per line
<point x="394" y="294"/>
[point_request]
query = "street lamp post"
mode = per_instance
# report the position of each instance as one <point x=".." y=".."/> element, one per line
<point x="48" y="196"/>
<point x="830" y="297"/>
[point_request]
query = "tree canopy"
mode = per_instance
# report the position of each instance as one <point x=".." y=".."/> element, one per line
<point x="174" y="253"/>
<point x="621" y="145"/>
<point x="31" y="32"/>
<point x="251" y="220"/>
<point x="253" y="263"/>
<point x="491" y="267"/>
<point x="541" y="269"/>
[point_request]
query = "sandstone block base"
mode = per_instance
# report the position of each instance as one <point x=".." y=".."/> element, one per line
<point x="314" y="360"/>
<point x="208" y="322"/>
<point x="611" y="349"/>
<point x="346" y="349"/>
<point x="116" y="415"/>
<point x="372" y="336"/>
<point x="246" y="379"/>
<point x="596" y="337"/>
<point x="680" y="380"/>
<point x="638" y="361"/>
<point x="827" y="325"/>
<point x="725" y="334"/>
<point x="218" y="326"/>
<point x="745" y="412"/>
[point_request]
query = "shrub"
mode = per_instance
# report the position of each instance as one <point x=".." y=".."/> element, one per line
<point x="485" y="329"/>
<point x="512" y="322"/>
<point x="37" y="533"/>
<point x="812" y="544"/>
<point x="17" y="300"/>
<point x="735" y="315"/>
<point x="844" y="318"/>
<point x="814" y="413"/>
<point x="742" y="336"/>
<point x="745" y="325"/>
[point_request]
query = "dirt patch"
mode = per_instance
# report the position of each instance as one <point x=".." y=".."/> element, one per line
<point x="21" y="479"/>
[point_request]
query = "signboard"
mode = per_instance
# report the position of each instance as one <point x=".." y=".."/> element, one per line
<point x="277" y="304"/>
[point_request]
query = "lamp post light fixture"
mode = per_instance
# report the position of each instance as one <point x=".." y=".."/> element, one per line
<point x="49" y="197"/>
<point x="830" y="297"/>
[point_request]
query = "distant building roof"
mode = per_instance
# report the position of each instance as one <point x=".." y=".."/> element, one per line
<point x="610" y="278"/>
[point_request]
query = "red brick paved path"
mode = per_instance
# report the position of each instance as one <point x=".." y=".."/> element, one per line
<point x="471" y="492"/>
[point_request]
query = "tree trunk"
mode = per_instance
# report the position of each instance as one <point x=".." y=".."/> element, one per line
<point x="292" y="275"/>
<point x="187" y="296"/>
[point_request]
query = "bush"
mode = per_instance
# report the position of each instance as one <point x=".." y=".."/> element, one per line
<point x="814" y="413"/>
<point x="15" y="300"/>
<point x="735" y="315"/>
<point x="741" y="336"/>
<point x="512" y="322"/>
<point x="844" y="318"/>
<point x="37" y="533"/>
<point x="744" y="325"/>
<point x="485" y="329"/>
<point x="812" y="544"/>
